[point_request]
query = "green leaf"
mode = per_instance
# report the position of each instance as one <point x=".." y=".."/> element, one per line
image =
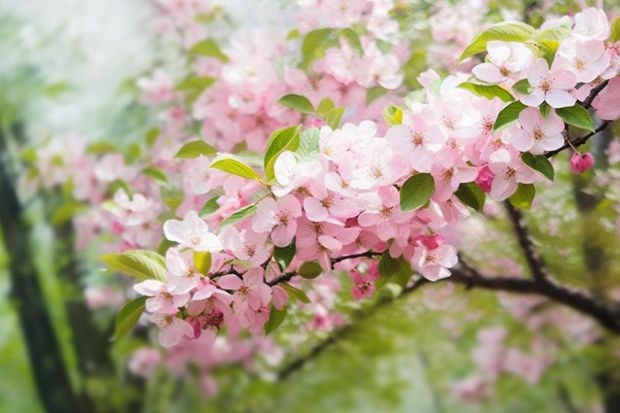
<point x="239" y="215"/>
<point x="375" y="93"/>
<point x="547" y="49"/>
<point x="577" y="116"/>
<point x="54" y="90"/>
<point x="275" y="319"/>
<point x="193" y="86"/>
<point x="155" y="173"/>
<point x="333" y="117"/>
<point x="325" y="106"/>
<point x="210" y="207"/>
<point x="309" y="142"/>
<point x="508" y="115"/>
<point x="557" y="33"/>
<point x="310" y="269"/>
<point x="416" y="191"/>
<point x="393" y="115"/>
<point x="315" y="44"/>
<point x="284" y="139"/>
<point x="194" y="149"/>
<point x="66" y="211"/>
<point x="101" y="147"/>
<point x="545" y="109"/>
<point x="208" y="48"/>
<point x="396" y="270"/>
<point x="523" y="196"/>
<point x="151" y="136"/>
<point x="202" y="262"/>
<point x="488" y="91"/>
<point x="235" y="167"/>
<point x="523" y="87"/>
<point x="128" y="316"/>
<point x="354" y="40"/>
<point x="505" y="31"/>
<point x="295" y="293"/>
<point x="471" y="195"/>
<point x="141" y="264"/>
<point x="284" y="255"/>
<point x="539" y="163"/>
<point x="615" y="30"/>
<point x="297" y="102"/>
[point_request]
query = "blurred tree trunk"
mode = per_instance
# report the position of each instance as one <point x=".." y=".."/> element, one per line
<point x="50" y="374"/>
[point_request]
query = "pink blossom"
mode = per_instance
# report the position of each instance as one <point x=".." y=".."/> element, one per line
<point x="592" y="23"/>
<point x="607" y="102"/>
<point x="537" y="133"/>
<point x="164" y="299"/>
<point x="550" y="86"/>
<point x="433" y="264"/>
<point x="586" y="59"/>
<point x="506" y="61"/>
<point x="279" y="218"/>
<point x="192" y="232"/>
<point x="249" y="291"/>
<point x="171" y="329"/>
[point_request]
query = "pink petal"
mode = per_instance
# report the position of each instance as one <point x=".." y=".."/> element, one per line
<point x="230" y="282"/>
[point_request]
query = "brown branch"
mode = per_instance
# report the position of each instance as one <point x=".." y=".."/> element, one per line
<point x="579" y="141"/>
<point x="607" y="316"/>
<point x="587" y="104"/>
<point x="534" y="260"/>
<point x="341" y="332"/>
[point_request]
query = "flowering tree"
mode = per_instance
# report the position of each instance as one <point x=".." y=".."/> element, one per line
<point x="284" y="167"/>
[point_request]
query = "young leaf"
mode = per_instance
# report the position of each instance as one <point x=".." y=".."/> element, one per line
<point x="506" y="31"/>
<point x="393" y="115"/>
<point x="577" y="116"/>
<point x="333" y="117"/>
<point x="236" y="167"/>
<point x="310" y="269"/>
<point x="208" y="48"/>
<point x="615" y="30"/>
<point x="128" y="316"/>
<point x="141" y="264"/>
<point x="315" y="43"/>
<point x="523" y="87"/>
<point x="309" y="142"/>
<point x="471" y="195"/>
<point x="155" y="173"/>
<point x="325" y="106"/>
<point x="354" y="40"/>
<point x="295" y="293"/>
<point x="194" y="149"/>
<point x="523" y="196"/>
<point x="193" y="86"/>
<point x="539" y="163"/>
<point x="508" y="115"/>
<point x="284" y="139"/>
<point x="416" y="191"/>
<point x="284" y="255"/>
<point x="239" y="215"/>
<point x="275" y="319"/>
<point x="210" y="207"/>
<point x="67" y="210"/>
<point x="488" y="91"/>
<point x="202" y="262"/>
<point x="297" y="102"/>
<point x="396" y="270"/>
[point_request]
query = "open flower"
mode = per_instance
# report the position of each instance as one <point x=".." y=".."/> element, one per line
<point x="537" y="133"/>
<point x="550" y="85"/>
<point x="192" y="232"/>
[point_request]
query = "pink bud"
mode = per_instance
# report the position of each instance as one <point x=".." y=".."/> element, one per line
<point x="195" y="326"/>
<point x="432" y="241"/>
<point x="317" y="123"/>
<point x="485" y="178"/>
<point x="581" y="162"/>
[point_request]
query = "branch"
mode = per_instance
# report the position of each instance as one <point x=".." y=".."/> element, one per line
<point x="533" y="258"/>
<point x="579" y="141"/>
<point x="608" y="317"/>
<point x="587" y="104"/>
<point x="344" y="330"/>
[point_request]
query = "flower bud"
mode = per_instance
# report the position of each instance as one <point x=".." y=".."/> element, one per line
<point x="581" y="162"/>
